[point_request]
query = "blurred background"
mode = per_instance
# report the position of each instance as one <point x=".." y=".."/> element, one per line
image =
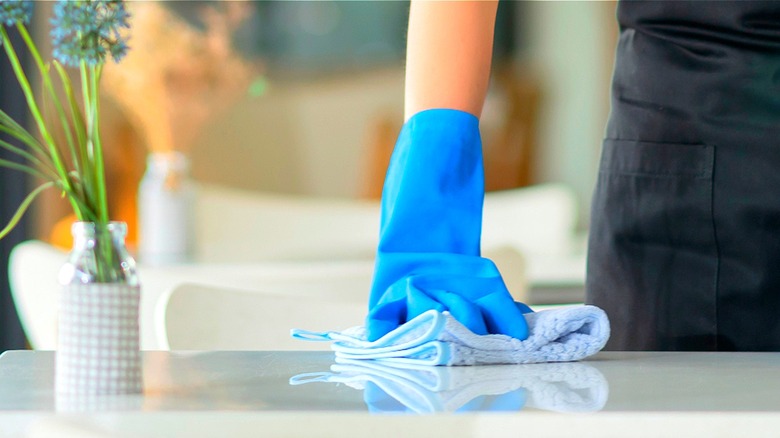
<point x="306" y="99"/>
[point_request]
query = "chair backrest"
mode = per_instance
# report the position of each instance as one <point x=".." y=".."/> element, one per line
<point x="33" y="270"/>
<point x="198" y="317"/>
<point x="34" y="267"/>
<point x="235" y="226"/>
<point x="292" y="246"/>
<point x="538" y="220"/>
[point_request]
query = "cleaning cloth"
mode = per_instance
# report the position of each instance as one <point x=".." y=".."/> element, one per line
<point x="558" y="387"/>
<point x="437" y="338"/>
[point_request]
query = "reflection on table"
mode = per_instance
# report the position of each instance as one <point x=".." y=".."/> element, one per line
<point x="225" y="393"/>
<point x="559" y="387"/>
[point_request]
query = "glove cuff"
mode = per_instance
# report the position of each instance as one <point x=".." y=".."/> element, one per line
<point x="434" y="189"/>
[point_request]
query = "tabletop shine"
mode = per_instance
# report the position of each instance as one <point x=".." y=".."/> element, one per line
<point x="312" y="381"/>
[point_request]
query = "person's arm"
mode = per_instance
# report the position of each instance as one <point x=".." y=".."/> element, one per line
<point x="449" y="49"/>
<point x="428" y="257"/>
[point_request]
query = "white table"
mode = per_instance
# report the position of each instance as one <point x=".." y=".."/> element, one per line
<point x="249" y="394"/>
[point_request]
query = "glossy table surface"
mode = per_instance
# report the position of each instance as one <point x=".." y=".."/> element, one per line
<point x="262" y="389"/>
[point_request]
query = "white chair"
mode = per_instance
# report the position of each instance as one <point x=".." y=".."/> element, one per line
<point x="32" y="272"/>
<point x="34" y="266"/>
<point x="242" y="226"/>
<point x="33" y="276"/>
<point x="293" y="245"/>
<point x="198" y="317"/>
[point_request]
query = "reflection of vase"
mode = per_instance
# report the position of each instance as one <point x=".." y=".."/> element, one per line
<point x="98" y="349"/>
<point x="165" y="208"/>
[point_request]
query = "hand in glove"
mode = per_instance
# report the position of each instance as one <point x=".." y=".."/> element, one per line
<point x="431" y="224"/>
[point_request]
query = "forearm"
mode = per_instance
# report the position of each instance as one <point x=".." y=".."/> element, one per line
<point x="449" y="51"/>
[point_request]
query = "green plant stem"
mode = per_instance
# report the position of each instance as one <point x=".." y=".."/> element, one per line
<point x="78" y="123"/>
<point x="32" y="104"/>
<point x="45" y="173"/>
<point x="104" y="254"/>
<point x="100" y="175"/>
<point x="88" y="172"/>
<point x="26" y="169"/>
<point x="94" y="169"/>
<point x="87" y="213"/>
<point x="75" y="112"/>
<point x="9" y="126"/>
<point x="104" y="245"/>
<point x="23" y="208"/>
<point x="49" y="86"/>
<point x="37" y="161"/>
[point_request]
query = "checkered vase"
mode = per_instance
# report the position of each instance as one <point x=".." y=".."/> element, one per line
<point x="98" y="351"/>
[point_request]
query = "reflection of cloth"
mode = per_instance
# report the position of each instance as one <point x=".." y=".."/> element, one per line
<point x="560" y="387"/>
<point x="435" y="338"/>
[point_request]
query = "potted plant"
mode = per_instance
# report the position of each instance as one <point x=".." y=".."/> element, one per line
<point x="98" y="350"/>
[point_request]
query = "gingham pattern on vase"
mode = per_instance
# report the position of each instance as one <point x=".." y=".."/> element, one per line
<point x="98" y="351"/>
<point x="66" y="402"/>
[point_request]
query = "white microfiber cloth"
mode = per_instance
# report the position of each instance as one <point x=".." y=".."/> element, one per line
<point x="436" y="338"/>
<point x="559" y="387"/>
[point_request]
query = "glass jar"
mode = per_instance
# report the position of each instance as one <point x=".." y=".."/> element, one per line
<point x="99" y="255"/>
<point x="165" y="210"/>
<point x="98" y="347"/>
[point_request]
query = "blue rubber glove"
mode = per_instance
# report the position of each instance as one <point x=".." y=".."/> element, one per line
<point x="431" y="225"/>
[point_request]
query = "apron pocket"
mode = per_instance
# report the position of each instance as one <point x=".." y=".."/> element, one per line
<point x="652" y="255"/>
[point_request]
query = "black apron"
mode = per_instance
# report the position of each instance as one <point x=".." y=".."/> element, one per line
<point x="684" y="250"/>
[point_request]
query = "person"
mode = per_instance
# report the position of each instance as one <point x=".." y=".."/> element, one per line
<point x="431" y="209"/>
<point x="685" y="223"/>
